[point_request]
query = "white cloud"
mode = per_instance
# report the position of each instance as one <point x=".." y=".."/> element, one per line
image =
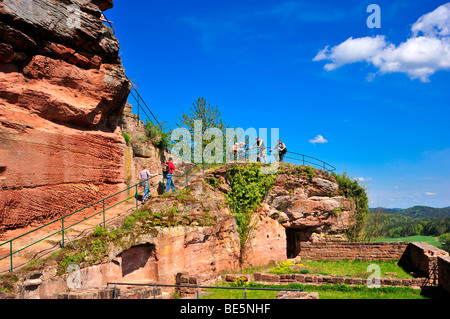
<point x="318" y="139"/>
<point x="420" y="56"/>
<point x="435" y="23"/>
<point x="430" y="194"/>
<point x="351" y="51"/>
<point x="362" y="179"/>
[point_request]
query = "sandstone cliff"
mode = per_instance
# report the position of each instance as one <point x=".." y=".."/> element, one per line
<point x="62" y="89"/>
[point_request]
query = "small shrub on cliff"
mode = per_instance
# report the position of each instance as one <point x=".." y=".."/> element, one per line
<point x="160" y="136"/>
<point x="213" y="181"/>
<point x="126" y="137"/>
<point x="351" y="189"/>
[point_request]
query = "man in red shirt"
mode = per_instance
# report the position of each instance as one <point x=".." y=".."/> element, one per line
<point x="168" y="176"/>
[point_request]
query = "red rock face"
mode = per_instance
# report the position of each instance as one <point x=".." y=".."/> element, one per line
<point x="62" y="89"/>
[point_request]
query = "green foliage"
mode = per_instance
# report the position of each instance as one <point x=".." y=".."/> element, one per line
<point x="126" y="137"/>
<point x="288" y="267"/>
<point x="160" y="136"/>
<point x="213" y="181"/>
<point x="382" y="225"/>
<point x="445" y="238"/>
<point x="351" y="189"/>
<point x="326" y="291"/>
<point x="7" y="283"/>
<point x="240" y="282"/>
<point x="416" y="211"/>
<point x="99" y="231"/>
<point x="247" y="189"/>
<point x="308" y="170"/>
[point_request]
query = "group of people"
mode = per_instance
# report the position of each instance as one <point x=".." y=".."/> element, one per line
<point x="237" y="151"/>
<point x="168" y="170"/>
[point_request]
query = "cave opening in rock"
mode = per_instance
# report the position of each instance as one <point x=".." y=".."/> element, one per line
<point x="138" y="257"/>
<point x="293" y="238"/>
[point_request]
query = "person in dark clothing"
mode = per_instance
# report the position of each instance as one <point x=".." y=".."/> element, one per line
<point x="282" y="150"/>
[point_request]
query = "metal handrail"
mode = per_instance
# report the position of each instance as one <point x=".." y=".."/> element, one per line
<point x="198" y="287"/>
<point x="104" y="209"/>
<point x="138" y="98"/>
<point x="306" y="160"/>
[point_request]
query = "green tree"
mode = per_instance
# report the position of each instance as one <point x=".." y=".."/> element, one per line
<point x="210" y="117"/>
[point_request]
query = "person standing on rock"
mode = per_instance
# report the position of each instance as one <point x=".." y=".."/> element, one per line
<point x="144" y="176"/>
<point x="262" y="149"/>
<point x="281" y="147"/>
<point x="168" y="170"/>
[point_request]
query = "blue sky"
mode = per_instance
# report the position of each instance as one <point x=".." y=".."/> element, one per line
<point x="308" y="68"/>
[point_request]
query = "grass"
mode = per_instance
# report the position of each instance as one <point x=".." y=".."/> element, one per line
<point x="7" y="283"/>
<point x="349" y="268"/>
<point x="432" y="240"/>
<point x="336" y="291"/>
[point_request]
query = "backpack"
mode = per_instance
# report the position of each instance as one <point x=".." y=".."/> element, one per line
<point x="165" y="169"/>
<point x="285" y="149"/>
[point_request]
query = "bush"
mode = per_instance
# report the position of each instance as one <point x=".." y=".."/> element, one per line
<point x="248" y="186"/>
<point x="240" y="282"/>
<point x="351" y="189"/>
<point x="126" y="137"/>
<point x="160" y="136"/>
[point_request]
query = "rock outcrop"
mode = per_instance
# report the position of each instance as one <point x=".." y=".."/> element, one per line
<point x="302" y="205"/>
<point x="62" y="90"/>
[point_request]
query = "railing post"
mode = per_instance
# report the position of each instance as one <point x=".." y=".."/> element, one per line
<point x="136" y="196"/>
<point x="11" y="254"/>
<point x="139" y="106"/>
<point x="104" y="222"/>
<point x="245" y="293"/>
<point x="303" y="160"/>
<point x="62" y="231"/>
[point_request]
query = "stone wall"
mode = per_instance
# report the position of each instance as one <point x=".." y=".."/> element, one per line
<point x="444" y="272"/>
<point x="318" y="279"/>
<point x="351" y="251"/>
<point x="422" y="256"/>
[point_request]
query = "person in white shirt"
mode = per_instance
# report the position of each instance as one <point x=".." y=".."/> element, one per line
<point x="144" y="176"/>
<point x="262" y="149"/>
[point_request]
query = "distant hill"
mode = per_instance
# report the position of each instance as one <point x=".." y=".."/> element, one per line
<point x="416" y="211"/>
